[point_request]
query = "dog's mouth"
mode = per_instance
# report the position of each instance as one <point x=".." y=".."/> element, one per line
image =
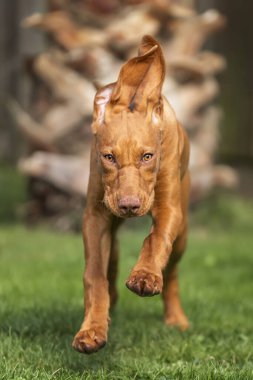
<point x="131" y="214"/>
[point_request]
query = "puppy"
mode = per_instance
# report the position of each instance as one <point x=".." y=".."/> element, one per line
<point x="139" y="165"/>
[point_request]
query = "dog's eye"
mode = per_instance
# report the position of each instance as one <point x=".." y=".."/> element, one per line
<point x="147" y="156"/>
<point x="109" y="157"/>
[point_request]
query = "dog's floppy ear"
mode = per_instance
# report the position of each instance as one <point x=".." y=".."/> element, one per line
<point x="102" y="98"/>
<point x="141" y="78"/>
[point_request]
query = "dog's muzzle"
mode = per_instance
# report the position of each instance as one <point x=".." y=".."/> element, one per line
<point x="129" y="205"/>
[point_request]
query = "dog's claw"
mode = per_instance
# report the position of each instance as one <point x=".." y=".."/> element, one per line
<point x="89" y="341"/>
<point x="144" y="284"/>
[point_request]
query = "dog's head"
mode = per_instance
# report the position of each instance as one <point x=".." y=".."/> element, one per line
<point x="127" y="122"/>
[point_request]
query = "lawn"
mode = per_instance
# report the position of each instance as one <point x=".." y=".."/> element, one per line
<point x="41" y="302"/>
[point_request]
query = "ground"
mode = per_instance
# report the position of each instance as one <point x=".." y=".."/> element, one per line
<point x="41" y="301"/>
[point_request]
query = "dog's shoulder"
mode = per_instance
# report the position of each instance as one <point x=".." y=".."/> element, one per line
<point x="173" y="127"/>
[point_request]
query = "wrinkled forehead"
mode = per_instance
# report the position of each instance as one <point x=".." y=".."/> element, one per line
<point x="128" y="127"/>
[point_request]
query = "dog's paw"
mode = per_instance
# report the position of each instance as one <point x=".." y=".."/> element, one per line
<point x="145" y="284"/>
<point x="89" y="341"/>
<point x="178" y="320"/>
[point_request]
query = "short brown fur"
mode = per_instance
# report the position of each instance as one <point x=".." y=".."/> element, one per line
<point x="139" y="165"/>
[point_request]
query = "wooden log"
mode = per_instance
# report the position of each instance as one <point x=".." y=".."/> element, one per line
<point x="167" y="7"/>
<point x="188" y="99"/>
<point x="190" y="35"/>
<point x="58" y="122"/>
<point x="68" y="173"/>
<point x="61" y="119"/>
<point x="125" y="32"/>
<point x="207" y="135"/>
<point x="205" y="179"/>
<point x="97" y="64"/>
<point x="64" y="30"/>
<point x="32" y="131"/>
<point x="187" y="68"/>
<point x="65" y="83"/>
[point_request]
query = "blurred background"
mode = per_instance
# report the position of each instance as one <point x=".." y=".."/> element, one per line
<point x="53" y="55"/>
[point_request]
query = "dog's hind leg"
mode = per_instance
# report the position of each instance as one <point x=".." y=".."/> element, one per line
<point x="174" y="314"/>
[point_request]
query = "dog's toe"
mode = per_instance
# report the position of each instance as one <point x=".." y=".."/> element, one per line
<point x="144" y="284"/>
<point x="89" y="341"/>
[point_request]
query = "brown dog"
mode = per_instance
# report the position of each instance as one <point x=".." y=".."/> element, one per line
<point x="139" y="164"/>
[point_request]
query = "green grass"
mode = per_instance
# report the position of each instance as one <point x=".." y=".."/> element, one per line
<point x="12" y="194"/>
<point x="41" y="305"/>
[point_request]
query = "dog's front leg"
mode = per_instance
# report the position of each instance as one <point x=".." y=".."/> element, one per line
<point x="146" y="278"/>
<point x="97" y="240"/>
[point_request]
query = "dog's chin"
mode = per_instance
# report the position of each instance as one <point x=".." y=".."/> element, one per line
<point x="129" y="214"/>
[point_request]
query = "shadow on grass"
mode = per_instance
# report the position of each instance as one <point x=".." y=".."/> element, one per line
<point x="50" y="331"/>
<point x="138" y="341"/>
<point x="61" y="319"/>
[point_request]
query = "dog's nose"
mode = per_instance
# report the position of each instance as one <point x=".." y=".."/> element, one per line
<point x="129" y="205"/>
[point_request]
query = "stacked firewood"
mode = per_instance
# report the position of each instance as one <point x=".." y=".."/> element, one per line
<point x="88" y="43"/>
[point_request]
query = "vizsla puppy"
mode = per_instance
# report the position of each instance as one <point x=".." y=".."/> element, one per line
<point x="139" y="165"/>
